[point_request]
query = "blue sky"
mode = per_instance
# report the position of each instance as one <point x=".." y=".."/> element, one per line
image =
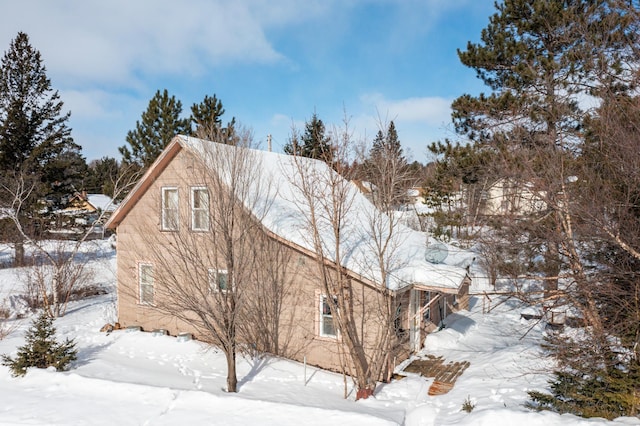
<point x="271" y="62"/>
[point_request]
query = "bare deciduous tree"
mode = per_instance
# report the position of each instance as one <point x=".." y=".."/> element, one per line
<point x="219" y="271"/>
<point x="57" y="269"/>
<point x="362" y="310"/>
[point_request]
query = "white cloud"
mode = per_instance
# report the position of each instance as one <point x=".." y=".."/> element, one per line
<point x="88" y="104"/>
<point x="115" y="42"/>
<point x="434" y="111"/>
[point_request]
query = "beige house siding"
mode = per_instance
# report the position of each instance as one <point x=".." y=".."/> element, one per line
<point x="299" y="334"/>
<point x="142" y="240"/>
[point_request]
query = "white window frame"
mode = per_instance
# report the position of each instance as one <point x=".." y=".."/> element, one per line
<point x="201" y="210"/>
<point x="146" y="283"/>
<point x="170" y="214"/>
<point x="214" y="284"/>
<point x="324" y="317"/>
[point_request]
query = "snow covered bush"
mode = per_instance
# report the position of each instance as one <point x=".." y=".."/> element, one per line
<point x="41" y="350"/>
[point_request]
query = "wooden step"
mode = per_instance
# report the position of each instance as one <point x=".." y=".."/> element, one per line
<point x="445" y="375"/>
<point x="439" y="388"/>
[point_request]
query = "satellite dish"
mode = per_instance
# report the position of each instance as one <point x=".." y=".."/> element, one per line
<point x="436" y="253"/>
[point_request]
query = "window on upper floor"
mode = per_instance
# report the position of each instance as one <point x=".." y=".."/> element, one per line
<point x="169" y="209"/>
<point x="199" y="208"/>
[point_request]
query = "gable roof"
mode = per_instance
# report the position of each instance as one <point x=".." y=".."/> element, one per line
<point x="102" y="202"/>
<point x="283" y="210"/>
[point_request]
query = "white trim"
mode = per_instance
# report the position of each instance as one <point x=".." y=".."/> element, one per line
<point x="200" y="210"/>
<point x="415" y="320"/>
<point x="170" y="218"/>
<point x="214" y="275"/>
<point x="325" y="307"/>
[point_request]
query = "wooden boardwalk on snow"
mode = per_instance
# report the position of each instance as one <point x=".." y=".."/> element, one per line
<point x="445" y="375"/>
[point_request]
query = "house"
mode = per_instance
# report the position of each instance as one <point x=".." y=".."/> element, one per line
<point x="83" y="214"/>
<point x="83" y="203"/>
<point x="176" y="210"/>
<point x="509" y="197"/>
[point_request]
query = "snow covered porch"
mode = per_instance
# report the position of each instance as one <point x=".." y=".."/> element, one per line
<point x="425" y="309"/>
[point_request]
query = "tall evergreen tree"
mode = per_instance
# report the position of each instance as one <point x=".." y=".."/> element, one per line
<point x="388" y="144"/>
<point x="207" y="112"/>
<point x="387" y="169"/>
<point x="459" y="170"/>
<point x="36" y="148"/>
<point x="206" y="118"/>
<point x="33" y="129"/>
<point x="539" y="58"/>
<point x="313" y="143"/>
<point x="102" y="175"/>
<point x="160" y="123"/>
<point x="65" y="173"/>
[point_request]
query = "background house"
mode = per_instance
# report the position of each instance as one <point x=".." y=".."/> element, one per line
<point x="510" y="197"/>
<point x="82" y="214"/>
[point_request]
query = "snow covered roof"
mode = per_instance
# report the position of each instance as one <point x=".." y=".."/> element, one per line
<point x="282" y="208"/>
<point x="102" y="202"/>
<point x="6" y="212"/>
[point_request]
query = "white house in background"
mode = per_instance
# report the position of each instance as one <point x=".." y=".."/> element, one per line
<point x="509" y="197"/>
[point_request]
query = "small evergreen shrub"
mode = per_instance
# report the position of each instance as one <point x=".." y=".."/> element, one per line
<point x="608" y="390"/>
<point x="41" y="350"/>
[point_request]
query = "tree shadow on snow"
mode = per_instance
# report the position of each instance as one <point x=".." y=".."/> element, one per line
<point x="88" y="354"/>
<point x="257" y="363"/>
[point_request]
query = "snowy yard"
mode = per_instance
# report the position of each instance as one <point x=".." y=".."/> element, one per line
<point x="136" y="378"/>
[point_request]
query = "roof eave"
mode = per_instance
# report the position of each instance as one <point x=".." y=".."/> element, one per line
<point x="449" y="290"/>
<point x="144" y="183"/>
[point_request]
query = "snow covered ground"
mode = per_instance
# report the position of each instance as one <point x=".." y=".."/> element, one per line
<point x="136" y="378"/>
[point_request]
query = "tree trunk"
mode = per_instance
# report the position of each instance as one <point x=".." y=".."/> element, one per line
<point x="552" y="269"/>
<point x="19" y="254"/>
<point x="364" y="393"/>
<point x="232" y="379"/>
